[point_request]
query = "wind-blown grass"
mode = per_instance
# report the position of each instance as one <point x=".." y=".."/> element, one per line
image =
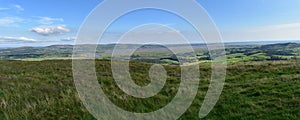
<point x="253" y="90"/>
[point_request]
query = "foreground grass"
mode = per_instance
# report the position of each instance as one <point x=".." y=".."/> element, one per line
<point x="253" y="90"/>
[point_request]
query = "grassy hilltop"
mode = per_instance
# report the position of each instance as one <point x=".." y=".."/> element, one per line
<point x="253" y="90"/>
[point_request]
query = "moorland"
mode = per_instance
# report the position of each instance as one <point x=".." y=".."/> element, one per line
<point x="262" y="82"/>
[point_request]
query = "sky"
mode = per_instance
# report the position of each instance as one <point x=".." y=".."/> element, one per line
<point x="48" y="22"/>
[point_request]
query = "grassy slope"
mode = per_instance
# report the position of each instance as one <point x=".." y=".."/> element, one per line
<point x="45" y="90"/>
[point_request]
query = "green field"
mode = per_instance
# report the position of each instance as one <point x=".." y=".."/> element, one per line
<point x="253" y="90"/>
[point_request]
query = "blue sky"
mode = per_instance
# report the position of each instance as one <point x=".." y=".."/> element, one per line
<point x="46" y="22"/>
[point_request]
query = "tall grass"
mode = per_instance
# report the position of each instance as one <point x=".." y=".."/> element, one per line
<point x="253" y="90"/>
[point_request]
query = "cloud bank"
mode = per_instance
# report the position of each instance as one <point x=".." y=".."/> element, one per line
<point x="16" y="39"/>
<point x="50" y="30"/>
<point x="10" y="21"/>
<point x="68" y="39"/>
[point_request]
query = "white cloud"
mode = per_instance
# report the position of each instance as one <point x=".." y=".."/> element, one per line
<point x="10" y="21"/>
<point x="289" y="31"/>
<point x="48" y="20"/>
<point x="16" y="39"/>
<point x="51" y="30"/>
<point x="18" y="7"/>
<point x="68" y="39"/>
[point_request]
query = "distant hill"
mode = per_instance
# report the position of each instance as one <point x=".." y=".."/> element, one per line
<point x="65" y="51"/>
<point x="280" y="46"/>
<point x="235" y="52"/>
